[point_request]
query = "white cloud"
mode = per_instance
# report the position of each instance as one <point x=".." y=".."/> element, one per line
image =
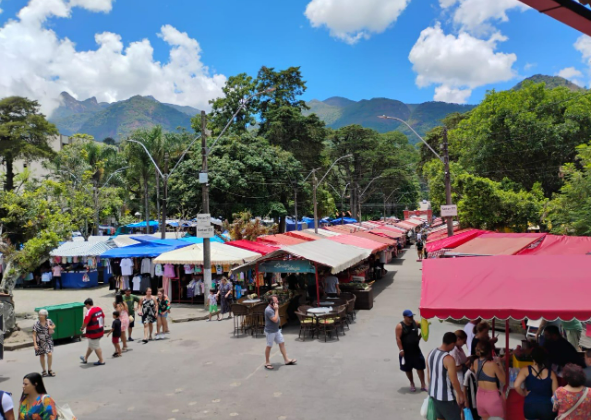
<point x="475" y="15"/>
<point x="444" y="93"/>
<point x="583" y="45"/>
<point x="529" y="66"/>
<point x="571" y="74"/>
<point x="352" y="20"/>
<point x="444" y="4"/>
<point x="459" y="62"/>
<point x="38" y="64"/>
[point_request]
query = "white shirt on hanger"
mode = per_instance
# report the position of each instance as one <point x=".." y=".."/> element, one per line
<point x="126" y="267"/>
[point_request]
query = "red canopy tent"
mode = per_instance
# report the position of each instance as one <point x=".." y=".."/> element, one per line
<point x="305" y="235"/>
<point x="482" y="287"/>
<point x="391" y="233"/>
<point x="497" y="244"/>
<point x="375" y="237"/>
<point x="416" y="222"/>
<point x="259" y="247"/>
<point x="360" y="242"/>
<point x="405" y="226"/>
<point x="560" y="245"/>
<point x="281" y="239"/>
<point x="454" y="241"/>
<point x="568" y="12"/>
<point x="345" y="228"/>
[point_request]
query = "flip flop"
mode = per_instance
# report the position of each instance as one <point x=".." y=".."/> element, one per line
<point x="84" y="361"/>
<point x="413" y="389"/>
<point x="291" y="362"/>
<point x="269" y="366"/>
<point x="424" y="390"/>
<point x="99" y="363"/>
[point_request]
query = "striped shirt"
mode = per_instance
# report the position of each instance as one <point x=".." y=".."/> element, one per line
<point x="94" y="321"/>
<point x="440" y="387"/>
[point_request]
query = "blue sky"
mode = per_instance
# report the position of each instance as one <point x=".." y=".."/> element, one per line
<point x="241" y="36"/>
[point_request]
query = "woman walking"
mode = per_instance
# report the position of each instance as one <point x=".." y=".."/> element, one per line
<point x="540" y="385"/>
<point x="573" y="401"/>
<point x="490" y="376"/>
<point x="42" y="331"/>
<point x="163" y="311"/>
<point x="35" y="404"/>
<point x="225" y="294"/>
<point x="149" y="307"/>
<point x="121" y="307"/>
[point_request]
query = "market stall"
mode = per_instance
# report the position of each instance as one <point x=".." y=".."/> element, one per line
<point x="324" y="233"/>
<point x="560" y="245"/>
<point x="281" y="240"/>
<point x="496" y="244"/>
<point x="77" y="263"/>
<point x="186" y="285"/>
<point x="391" y="250"/>
<point x="259" y="247"/>
<point x="494" y="288"/>
<point x="437" y="247"/>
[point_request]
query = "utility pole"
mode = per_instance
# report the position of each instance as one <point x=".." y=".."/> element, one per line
<point x="315" y="203"/>
<point x="295" y="205"/>
<point x="450" y="223"/>
<point x="205" y="196"/>
<point x="165" y="200"/>
<point x="96" y="209"/>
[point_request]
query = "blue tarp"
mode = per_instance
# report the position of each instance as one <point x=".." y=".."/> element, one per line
<point x="194" y="240"/>
<point x="146" y="248"/>
<point x="141" y="224"/>
<point x="290" y="225"/>
<point x="344" y="220"/>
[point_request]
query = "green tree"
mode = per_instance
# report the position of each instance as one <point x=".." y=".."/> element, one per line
<point x="569" y="211"/>
<point x="525" y="135"/>
<point x="24" y="134"/>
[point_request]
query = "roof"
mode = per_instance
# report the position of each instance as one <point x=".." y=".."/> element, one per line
<point x="307" y="236"/>
<point x="454" y="241"/>
<point x="259" y="247"/>
<point x="324" y="232"/>
<point x="568" y="12"/>
<point x="497" y="244"/>
<point x="82" y="249"/>
<point x="561" y="245"/>
<point x="377" y="238"/>
<point x="325" y="252"/>
<point x="415" y="222"/>
<point x="366" y="243"/>
<point x="145" y="248"/>
<point x="220" y="254"/>
<point x="194" y="240"/>
<point x="405" y="226"/>
<point x="498" y="287"/>
<point x="126" y="240"/>
<point x="391" y="233"/>
<point x="281" y="239"/>
<point x="344" y="220"/>
<point x="345" y="228"/>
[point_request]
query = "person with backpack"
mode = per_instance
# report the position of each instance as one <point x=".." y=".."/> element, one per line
<point x="6" y="406"/>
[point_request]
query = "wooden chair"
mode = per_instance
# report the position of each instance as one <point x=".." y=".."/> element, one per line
<point x="304" y="308"/>
<point x="258" y="318"/>
<point x="342" y="320"/>
<point x="351" y="308"/>
<point x="239" y="313"/>
<point x="307" y="324"/>
<point x="346" y="295"/>
<point x="327" y="324"/>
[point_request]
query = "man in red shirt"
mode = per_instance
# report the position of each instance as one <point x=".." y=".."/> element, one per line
<point x="94" y="322"/>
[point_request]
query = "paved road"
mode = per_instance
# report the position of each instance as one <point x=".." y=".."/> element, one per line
<point x="202" y="372"/>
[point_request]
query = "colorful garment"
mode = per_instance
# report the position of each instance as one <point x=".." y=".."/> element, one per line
<point x="44" y="340"/>
<point x="42" y="409"/>
<point x="148" y="310"/>
<point x="565" y="400"/>
<point x="163" y="306"/>
<point x="169" y="271"/>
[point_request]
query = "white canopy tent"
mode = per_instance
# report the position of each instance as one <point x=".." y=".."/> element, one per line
<point x="220" y="254"/>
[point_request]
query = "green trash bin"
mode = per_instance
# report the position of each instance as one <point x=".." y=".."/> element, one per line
<point x="67" y="318"/>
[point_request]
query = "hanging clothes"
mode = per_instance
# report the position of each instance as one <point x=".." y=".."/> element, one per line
<point x="126" y="267"/>
<point x="146" y="266"/>
<point x="169" y="271"/>
<point x="136" y="283"/>
<point x="158" y="271"/>
<point x="166" y="286"/>
<point x="188" y="269"/>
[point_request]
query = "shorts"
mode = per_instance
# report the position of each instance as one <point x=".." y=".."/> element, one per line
<point x="131" y="323"/>
<point x="115" y="340"/>
<point x="489" y="403"/>
<point x="538" y="410"/>
<point x="164" y="315"/>
<point x="94" y="343"/>
<point x="412" y="361"/>
<point x="213" y="309"/>
<point x="274" y="337"/>
<point x="447" y="410"/>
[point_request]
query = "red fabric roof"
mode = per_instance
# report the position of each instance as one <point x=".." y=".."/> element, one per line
<point x="568" y="12"/>
<point x="561" y="245"/>
<point x="414" y="221"/>
<point x="281" y="239"/>
<point x="344" y="228"/>
<point x="304" y="235"/>
<point x="376" y="238"/>
<point x="454" y="241"/>
<point x="497" y="244"/>
<point x="388" y="232"/>
<point x="405" y="226"/>
<point x="361" y="242"/>
<point x="507" y="286"/>
<point x="259" y="247"/>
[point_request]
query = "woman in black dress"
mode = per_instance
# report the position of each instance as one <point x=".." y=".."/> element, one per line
<point x="226" y="297"/>
<point x="149" y="306"/>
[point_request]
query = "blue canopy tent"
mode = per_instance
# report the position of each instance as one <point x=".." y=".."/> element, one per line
<point x="146" y="248"/>
<point x="290" y="225"/>
<point x="343" y="220"/>
<point x="194" y="240"/>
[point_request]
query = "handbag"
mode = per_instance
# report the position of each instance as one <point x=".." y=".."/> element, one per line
<point x="425" y="407"/>
<point x="131" y="318"/>
<point x="65" y="413"/>
<point x="468" y="414"/>
<point x="431" y="410"/>
<point x="574" y="407"/>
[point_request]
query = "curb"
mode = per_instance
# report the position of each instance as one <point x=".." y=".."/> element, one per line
<point x="17" y="346"/>
<point x="190" y="319"/>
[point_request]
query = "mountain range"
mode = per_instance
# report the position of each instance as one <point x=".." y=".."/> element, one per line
<point x="119" y="119"/>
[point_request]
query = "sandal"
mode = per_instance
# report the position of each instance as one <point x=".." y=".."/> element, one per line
<point x="413" y="388"/>
<point x="269" y="366"/>
<point x="51" y="373"/>
<point x="291" y="362"/>
<point x="44" y="373"/>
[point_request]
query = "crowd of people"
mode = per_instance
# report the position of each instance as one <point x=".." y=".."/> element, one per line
<point x="461" y="386"/>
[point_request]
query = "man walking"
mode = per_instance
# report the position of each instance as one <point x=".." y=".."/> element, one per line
<point x="273" y="333"/>
<point x="94" y="322"/>
<point x="444" y="386"/>
<point x="411" y="357"/>
<point x="131" y="301"/>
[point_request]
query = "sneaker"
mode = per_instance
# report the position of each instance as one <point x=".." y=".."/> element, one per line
<point x="158" y="337"/>
<point x="130" y="339"/>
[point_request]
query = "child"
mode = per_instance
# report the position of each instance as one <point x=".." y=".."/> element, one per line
<point x="116" y="330"/>
<point x="213" y="304"/>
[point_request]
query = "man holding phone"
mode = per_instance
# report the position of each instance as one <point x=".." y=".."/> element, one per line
<point x="273" y="333"/>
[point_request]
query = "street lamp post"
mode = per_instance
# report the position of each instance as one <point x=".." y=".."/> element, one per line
<point x="444" y="159"/>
